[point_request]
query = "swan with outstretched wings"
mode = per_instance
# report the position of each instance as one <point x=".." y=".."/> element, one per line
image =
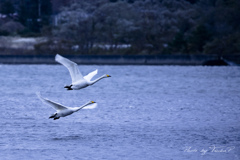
<point x="63" y="111"/>
<point x="78" y="80"/>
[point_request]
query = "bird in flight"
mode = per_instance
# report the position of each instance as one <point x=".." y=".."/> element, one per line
<point x="78" y="80"/>
<point x="63" y="111"/>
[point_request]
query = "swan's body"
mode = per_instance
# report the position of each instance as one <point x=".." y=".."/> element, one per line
<point x="78" y="81"/>
<point x="62" y="111"/>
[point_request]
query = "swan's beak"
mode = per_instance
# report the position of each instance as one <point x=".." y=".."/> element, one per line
<point x="93" y="102"/>
<point x="108" y="75"/>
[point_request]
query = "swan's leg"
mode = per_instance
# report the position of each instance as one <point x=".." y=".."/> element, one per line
<point x="52" y="116"/>
<point x="68" y="87"/>
<point x="56" y="118"/>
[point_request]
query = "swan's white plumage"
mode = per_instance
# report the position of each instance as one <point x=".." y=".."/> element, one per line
<point x="63" y="111"/>
<point x="90" y="75"/>
<point x="91" y="106"/>
<point x="78" y="81"/>
<point x="55" y="105"/>
<point x="71" y="66"/>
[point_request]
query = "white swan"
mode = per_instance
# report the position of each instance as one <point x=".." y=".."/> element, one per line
<point x="63" y="111"/>
<point x="78" y="81"/>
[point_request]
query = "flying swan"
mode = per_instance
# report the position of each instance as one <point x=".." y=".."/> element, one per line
<point x="63" y="111"/>
<point x="78" y="81"/>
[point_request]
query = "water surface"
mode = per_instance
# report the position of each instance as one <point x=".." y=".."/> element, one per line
<point x="144" y="113"/>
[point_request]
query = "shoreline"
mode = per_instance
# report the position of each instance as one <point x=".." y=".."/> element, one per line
<point x="179" y="59"/>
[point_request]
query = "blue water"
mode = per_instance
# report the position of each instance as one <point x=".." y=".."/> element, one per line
<point x="143" y="113"/>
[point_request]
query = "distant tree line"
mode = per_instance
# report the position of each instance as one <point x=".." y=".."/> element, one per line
<point x="128" y="26"/>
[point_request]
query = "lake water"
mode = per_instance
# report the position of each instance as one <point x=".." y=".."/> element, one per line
<point x="143" y="113"/>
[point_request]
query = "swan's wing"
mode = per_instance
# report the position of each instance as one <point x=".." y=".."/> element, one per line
<point x="71" y="66"/>
<point x="90" y="75"/>
<point x="91" y="106"/>
<point x="55" y="105"/>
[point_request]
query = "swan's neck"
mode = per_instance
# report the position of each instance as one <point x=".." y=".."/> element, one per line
<point x="94" y="81"/>
<point x="78" y="108"/>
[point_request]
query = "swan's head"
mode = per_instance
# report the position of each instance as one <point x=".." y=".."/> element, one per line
<point x="91" y="102"/>
<point x="106" y="75"/>
<point x="91" y="105"/>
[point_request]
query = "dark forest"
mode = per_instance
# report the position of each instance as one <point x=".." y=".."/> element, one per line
<point x="128" y="27"/>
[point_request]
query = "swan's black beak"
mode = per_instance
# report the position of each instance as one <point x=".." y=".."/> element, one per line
<point x="108" y="75"/>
